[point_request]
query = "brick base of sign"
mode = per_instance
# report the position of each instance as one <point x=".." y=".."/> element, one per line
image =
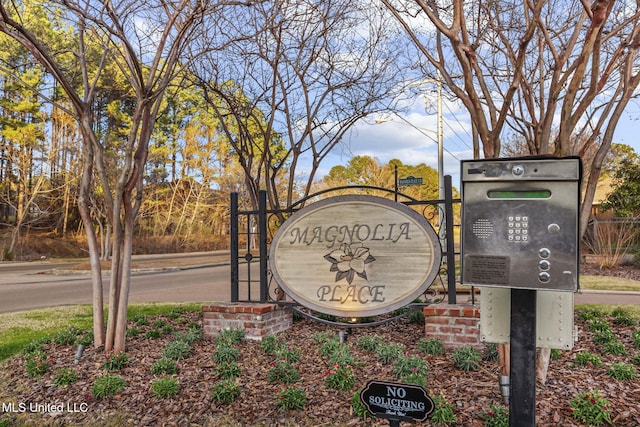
<point x="456" y="325"/>
<point x="257" y="320"/>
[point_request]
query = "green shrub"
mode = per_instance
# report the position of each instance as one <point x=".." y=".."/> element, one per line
<point x="165" y="387"/>
<point x="389" y="352"/>
<point x="358" y="407"/>
<point x="635" y="338"/>
<point x="36" y="363"/>
<point x="67" y="337"/>
<point x="369" y="342"/>
<point x="327" y="348"/>
<point x="599" y="325"/>
<point x="615" y="348"/>
<point x="177" y="350"/>
<point x="496" y="416"/>
<point x="225" y="391"/>
<point x="159" y="324"/>
<point x="466" y="358"/>
<point x="228" y="370"/>
<point x="230" y="336"/>
<point x="442" y="410"/>
<point x="192" y="335"/>
<point x="289" y="353"/>
<point x="35" y="346"/>
<point x="65" y="376"/>
<point x="324" y="336"/>
<point x="604" y="337"/>
<point x="115" y="361"/>
<point x="153" y="334"/>
<point x="622" y="372"/>
<point x="107" y="385"/>
<point x="226" y="354"/>
<point x="140" y="319"/>
<point x="591" y="408"/>
<point x="490" y="352"/>
<point x="272" y="343"/>
<point x="283" y="371"/>
<point x="340" y="377"/>
<point x="585" y="357"/>
<point x="408" y="367"/>
<point x="555" y="354"/>
<point x="431" y="346"/>
<point x="342" y="356"/>
<point x="86" y="338"/>
<point x="588" y="314"/>
<point x="164" y="366"/>
<point x="417" y="317"/>
<point x="133" y="332"/>
<point x="291" y="398"/>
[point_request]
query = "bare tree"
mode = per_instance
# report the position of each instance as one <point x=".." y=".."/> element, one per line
<point x="143" y="41"/>
<point x="557" y="74"/>
<point x="296" y="79"/>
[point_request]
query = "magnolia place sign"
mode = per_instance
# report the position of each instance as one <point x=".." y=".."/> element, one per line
<point x="355" y="256"/>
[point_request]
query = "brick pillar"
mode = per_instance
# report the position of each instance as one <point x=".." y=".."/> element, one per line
<point x="456" y="325"/>
<point x="257" y="320"/>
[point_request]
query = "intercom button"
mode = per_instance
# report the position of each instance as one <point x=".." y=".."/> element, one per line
<point x="544" y="253"/>
<point x="544" y="265"/>
<point x="544" y="277"/>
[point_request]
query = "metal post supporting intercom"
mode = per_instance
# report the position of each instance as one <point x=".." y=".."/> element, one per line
<point x="520" y="231"/>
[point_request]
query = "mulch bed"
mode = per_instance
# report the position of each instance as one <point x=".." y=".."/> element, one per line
<point x="471" y="393"/>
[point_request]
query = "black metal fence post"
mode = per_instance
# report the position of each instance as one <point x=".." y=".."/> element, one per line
<point x="234" y="247"/>
<point x="262" y="239"/>
<point x="448" y="224"/>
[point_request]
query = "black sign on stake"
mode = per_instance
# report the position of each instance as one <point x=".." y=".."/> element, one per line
<point x="396" y="401"/>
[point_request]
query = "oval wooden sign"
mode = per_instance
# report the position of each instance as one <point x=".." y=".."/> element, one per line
<point x="355" y="256"/>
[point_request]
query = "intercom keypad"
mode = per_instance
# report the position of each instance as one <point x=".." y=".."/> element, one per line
<point x="518" y="228"/>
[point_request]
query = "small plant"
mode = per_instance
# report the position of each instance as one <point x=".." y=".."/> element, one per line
<point x="555" y="354"/>
<point x="153" y="334"/>
<point x="490" y="352"/>
<point x="604" y="337"/>
<point x="36" y="364"/>
<point x="615" y="348"/>
<point x="622" y="372"/>
<point x="166" y="330"/>
<point x="327" y="348"/>
<point x="599" y="325"/>
<point x="226" y="354"/>
<point x="228" y="370"/>
<point x="405" y="367"/>
<point x="496" y="416"/>
<point x="133" y="332"/>
<point x="159" y="324"/>
<point x="591" y="408"/>
<point x="369" y="342"/>
<point x="36" y="346"/>
<point x="65" y="376"/>
<point x="86" y="339"/>
<point x="107" y="385"/>
<point x="358" y="407"/>
<point x="283" y="371"/>
<point x="225" y="391"/>
<point x="635" y="338"/>
<point x="340" y="377"/>
<point x="417" y="317"/>
<point x="140" y="320"/>
<point x="583" y="358"/>
<point x="177" y="350"/>
<point x="589" y="314"/>
<point x="291" y="398"/>
<point x="231" y="336"/>
<point x="389" y="352"/>
<point x="67" y="337"/>
<point x="466" y="358"/>
<point x="431" y="346"/>
<point x="192" y="336"/>
<point x="636" y="359"/>
<point x="321" y="337"/>
<point x="176" y="312"/>
<point x="622" y="317"/>
<point x="442" y="410"/>
<point x="164" y="366"/>
<point x="165" y="387"/>
<point x="115" y="361"/>
<point x="291" y="354"/>
<point x="272" y="343"/>
<point x="342" y="356"/>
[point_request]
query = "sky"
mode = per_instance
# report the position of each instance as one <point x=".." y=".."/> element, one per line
<point x="412" y="138"/>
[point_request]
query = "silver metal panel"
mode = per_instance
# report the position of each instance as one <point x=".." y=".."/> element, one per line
<point x="520" y="223"/>
<point x="554" y="317"/>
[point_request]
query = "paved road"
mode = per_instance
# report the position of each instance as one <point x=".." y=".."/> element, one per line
<point x="203" y="278"/>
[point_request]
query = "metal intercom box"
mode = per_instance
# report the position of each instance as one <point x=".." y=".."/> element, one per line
<point x="520" y="223"/>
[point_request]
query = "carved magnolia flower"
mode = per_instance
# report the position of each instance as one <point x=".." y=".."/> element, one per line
<point x="349" y="260"/>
